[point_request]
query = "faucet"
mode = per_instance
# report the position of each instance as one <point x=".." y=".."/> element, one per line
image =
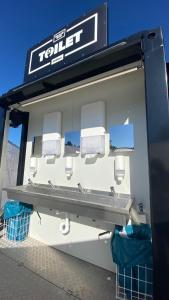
<point x="80" y="188"/>
<point x="113" y="193"/>
<point x="51" y="184"/>
<point x="30" y="181"/>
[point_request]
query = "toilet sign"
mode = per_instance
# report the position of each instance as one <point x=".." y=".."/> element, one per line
<point x="74" y="42"/>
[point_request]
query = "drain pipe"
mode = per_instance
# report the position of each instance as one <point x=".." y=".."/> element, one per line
<point x="64" y="226"/>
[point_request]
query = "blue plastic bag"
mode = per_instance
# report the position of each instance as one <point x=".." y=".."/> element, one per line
<point x="14" y="208"/>
<point x="135" y="248"/>
<point x="130" y="251"/>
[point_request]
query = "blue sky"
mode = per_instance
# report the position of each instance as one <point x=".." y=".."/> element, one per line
<point x="73" y="137"/>
<point x="122" y="136"/>
<point x="25" y="23"/>
<point x="15" y="135"/>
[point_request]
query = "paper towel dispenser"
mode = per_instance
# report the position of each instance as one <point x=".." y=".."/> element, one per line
<point x="51" y="141"/>
<point x="93" y="128"/>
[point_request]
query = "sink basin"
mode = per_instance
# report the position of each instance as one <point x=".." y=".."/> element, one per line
<point x="99" y="205"/>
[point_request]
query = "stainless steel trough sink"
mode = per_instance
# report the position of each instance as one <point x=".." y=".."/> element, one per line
<point x="98" y="205"/>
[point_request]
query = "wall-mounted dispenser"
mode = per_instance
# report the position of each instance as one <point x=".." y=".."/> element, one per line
<point x="33" y="166"/>
<point x="119" y="168"/>
<point x="51" y="144"/>
<point x="93" y="128"/>
<point x="69" y="166"/>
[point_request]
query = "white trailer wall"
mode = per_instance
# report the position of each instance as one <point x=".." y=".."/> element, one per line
<point x="124" y="101"/>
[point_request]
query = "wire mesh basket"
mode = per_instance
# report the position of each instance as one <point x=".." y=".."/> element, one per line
<point x="17" y="228"/>
<point x="134" y="283"/>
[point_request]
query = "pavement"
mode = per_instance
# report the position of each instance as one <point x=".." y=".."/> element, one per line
<point x="31" y="270"/>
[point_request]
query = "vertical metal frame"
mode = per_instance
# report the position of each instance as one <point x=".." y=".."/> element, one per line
<point x="22" y="153"/>
<point x="157" y="114"/>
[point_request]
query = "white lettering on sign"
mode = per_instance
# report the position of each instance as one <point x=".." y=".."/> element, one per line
<point x="57" y="59"/>
<point x="60" y="46"/>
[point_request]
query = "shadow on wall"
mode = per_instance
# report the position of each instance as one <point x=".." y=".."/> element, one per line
<point x="12" y="164"/>
<point x="82" y="242"/>
<point x="10" y="176"/>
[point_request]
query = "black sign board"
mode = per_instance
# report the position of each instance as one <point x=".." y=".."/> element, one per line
<point x="74" y="42"/>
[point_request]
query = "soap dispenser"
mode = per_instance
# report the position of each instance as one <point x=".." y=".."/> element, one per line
<point x="119" y="168"/>
<point x="69" y="166"/>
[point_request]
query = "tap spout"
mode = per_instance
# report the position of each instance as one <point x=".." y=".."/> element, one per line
<point x="30" y="181"/>
<point x="51" y="184"/>
<point x="80" y="188"/>
<point x="112" y="189"/>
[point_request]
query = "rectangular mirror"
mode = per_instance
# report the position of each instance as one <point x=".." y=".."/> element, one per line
<point x="121" y="137"/>
<point x="37" y="146"/>
<point x="72" y="142"/>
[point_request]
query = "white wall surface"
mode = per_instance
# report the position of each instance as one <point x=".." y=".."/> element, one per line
<point x="124" y="100"/>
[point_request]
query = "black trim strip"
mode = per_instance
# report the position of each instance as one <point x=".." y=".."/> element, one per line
<point x="92" y="67"/>
<point x="157" y="112"/>
<point x="22" y="153"/>
<point x="167" y="66"/>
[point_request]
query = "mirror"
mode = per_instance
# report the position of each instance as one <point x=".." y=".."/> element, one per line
<point x="121" y="137"/>
<point x="37" y="146"/>
<point x="72" y="142"/>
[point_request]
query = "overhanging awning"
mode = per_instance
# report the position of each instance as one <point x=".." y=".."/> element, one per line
<point x="116" y="55"/>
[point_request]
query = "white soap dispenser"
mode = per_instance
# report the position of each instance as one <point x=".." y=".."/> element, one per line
<point x="69" y="166"/>
<point x="119" y="168"/>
